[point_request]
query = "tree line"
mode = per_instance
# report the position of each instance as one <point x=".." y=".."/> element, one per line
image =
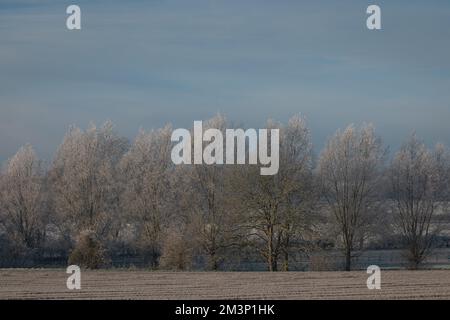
<point x="101" y="194"/>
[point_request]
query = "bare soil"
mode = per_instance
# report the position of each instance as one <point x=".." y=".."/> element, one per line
<point x="125" y="284"/>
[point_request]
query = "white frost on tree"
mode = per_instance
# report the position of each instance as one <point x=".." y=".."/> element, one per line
<point x="22" y="198"/>
<point x="349" y="169"/>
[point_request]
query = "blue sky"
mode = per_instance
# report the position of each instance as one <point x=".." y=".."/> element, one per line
<point x="146" y="63"/>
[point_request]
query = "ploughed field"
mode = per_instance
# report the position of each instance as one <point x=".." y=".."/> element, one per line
<point x="125" y="284"/>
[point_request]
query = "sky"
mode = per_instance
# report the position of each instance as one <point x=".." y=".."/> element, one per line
<point x="142" y="64"/>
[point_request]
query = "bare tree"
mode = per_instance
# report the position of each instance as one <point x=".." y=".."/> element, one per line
<point x="100" y="191"/>
<point x="22" y="198"/>
<point x="147" y="197"/>
<point x="84" y="181"/>
<point x="277" y="209"/>
<point x="205" y="197"/>
<point x="417" y="178"/>
<point x="349" y="170"/>
<point x="442" y="157"/>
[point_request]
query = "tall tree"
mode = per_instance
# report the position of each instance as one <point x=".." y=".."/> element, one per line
<point x="22" y="198"/>
<point x="204" y="190"/>
<point x="84" y="181"/>
<point x="349" y="170"/>
<point x="147" y="196"/>
<point x="276" y="209"/>
<point x="417" y="178"/>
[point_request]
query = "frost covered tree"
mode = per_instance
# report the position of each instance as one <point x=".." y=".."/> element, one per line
<point x="147" y="197"/>
<point x="441" y="156"/>
<point x="85" y="192"/>
<point x="22" y="198"/>
<point x="419" y="179"/>
<point x="277" y="209"/>
<point x="349" y="170"/>
<point x="203" y="192"/>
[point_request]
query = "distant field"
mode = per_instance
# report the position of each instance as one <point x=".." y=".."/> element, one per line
<point x="106" y="284"/>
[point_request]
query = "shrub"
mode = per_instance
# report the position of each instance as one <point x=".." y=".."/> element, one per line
<point x="177" y="253"/>
<point x="88" y="252"/>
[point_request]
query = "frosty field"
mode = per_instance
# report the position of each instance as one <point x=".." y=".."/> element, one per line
<point x="112" y="284"/>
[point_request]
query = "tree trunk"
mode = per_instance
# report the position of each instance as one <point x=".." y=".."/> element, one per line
<point x="213" y="264"/>
<point x="286" y="254"/>
<point x="273" y="264"/>
<point x="348" y="259"/>
<point x="286" y="261"/>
